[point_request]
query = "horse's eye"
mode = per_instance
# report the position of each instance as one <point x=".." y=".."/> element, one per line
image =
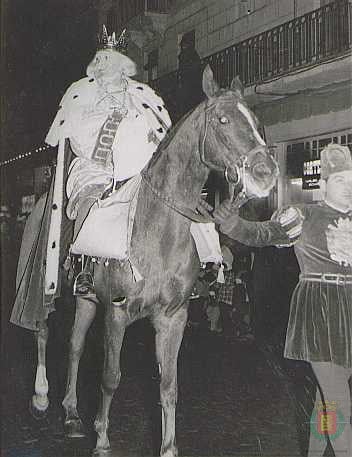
<point x="223" y="120"/>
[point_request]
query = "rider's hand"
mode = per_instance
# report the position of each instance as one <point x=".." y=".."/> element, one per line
<point x="205" y="209"/>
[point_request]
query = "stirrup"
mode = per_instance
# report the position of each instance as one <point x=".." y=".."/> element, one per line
<point x="83" y="284"/>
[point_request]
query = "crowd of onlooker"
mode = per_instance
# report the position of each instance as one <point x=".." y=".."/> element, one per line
<point x="252" y="302"/>
<point x="11" y="229"/>
<point x="222" y="305"/>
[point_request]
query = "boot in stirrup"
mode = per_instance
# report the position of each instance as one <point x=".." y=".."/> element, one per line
<point x="84" y="283"/>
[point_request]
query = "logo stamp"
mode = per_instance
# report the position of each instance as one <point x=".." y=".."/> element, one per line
<point x="327" y="421"/>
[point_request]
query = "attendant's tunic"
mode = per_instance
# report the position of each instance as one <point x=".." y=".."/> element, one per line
<point x="320" y="322"/>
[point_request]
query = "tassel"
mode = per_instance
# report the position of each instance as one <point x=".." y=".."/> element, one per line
<point x="135" y="273"/>
<point x="221" y="277"/>
<point x="68" y="262"/>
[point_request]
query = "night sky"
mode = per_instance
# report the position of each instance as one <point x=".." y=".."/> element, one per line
<point x="47" y="46"/>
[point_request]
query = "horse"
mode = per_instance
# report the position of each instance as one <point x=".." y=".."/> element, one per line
<point x="220" y="134"/>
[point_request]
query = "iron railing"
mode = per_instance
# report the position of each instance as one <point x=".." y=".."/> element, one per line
<point x="305" y="41"/>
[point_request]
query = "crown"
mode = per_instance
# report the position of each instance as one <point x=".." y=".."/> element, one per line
<point x="106" y="41"/>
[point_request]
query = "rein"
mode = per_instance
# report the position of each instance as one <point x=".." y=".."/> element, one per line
<point x="203" y="216"/>
<point x="181" y="209"/>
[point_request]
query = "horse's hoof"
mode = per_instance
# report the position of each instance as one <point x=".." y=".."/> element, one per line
<point x="74" y="428"/>
<point x="101" y="452"/>
<point x="38" y="407"/>
<point x="171" y="452"/>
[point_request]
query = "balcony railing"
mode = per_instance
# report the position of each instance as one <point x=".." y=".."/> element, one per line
<point x="305" y="41"/>
<point x="125" y="10"/>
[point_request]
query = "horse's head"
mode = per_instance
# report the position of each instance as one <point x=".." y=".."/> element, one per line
<point x="230" y="141"/>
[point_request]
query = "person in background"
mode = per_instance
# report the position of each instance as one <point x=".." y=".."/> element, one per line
<point x="213" y="314"/>
<point x="320" y="323"/>
<point x="208" y="307"/>
<point x="190" y="77"/>
<point x="5" y="226"/>
<point x="198" y="301"/>
<point x="241" y="309"/>
<point x="225" y="293"/>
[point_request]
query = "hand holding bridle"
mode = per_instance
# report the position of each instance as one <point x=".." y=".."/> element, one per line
<point x="225" y="211"/>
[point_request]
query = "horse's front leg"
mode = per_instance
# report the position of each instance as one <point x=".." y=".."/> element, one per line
<point x="169" y="333"/>
<point x="85" y="313"/>
<point x="115" y="326"/>
<point x="40" y="400"/>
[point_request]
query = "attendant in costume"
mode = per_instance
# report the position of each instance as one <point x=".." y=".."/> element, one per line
<point x="114" y="125"/>
<point x="320" y="323"/>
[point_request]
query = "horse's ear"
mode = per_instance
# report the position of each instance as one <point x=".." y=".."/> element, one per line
<point x="210" y="86"/>
<point x="237" y="87"/>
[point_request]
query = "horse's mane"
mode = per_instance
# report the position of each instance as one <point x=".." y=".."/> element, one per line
<point x="166" y="141"/>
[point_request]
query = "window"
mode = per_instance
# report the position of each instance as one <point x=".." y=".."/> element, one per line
<point x="245" y="7"/>
<point x="310" y="149"/>
<point x="152" y="64"/>
<point x="296" y="154"/>
<point x="303" y="165"/>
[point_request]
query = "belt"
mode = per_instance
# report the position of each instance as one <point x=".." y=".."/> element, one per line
<point x="119" y="184"/>
<point x="114" y="186"/>
<point x="327" y="277"/>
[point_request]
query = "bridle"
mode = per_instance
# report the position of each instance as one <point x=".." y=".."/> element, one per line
<point x="240" y="169"/>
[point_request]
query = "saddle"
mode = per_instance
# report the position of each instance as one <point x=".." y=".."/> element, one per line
<point x="107" y="229"/>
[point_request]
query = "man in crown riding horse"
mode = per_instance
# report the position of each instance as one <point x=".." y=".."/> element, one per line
<point x="114" y="125"/>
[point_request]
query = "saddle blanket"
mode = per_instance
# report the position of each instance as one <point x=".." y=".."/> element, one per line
<point x="207" y="242"/>
<point x="107" y="230"/>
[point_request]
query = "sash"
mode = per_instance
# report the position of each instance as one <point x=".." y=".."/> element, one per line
<point x="103" y="146"/>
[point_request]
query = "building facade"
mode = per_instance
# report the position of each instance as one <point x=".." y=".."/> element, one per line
<point x="293" y="56"/>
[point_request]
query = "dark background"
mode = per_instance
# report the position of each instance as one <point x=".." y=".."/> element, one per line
<point x="45" y="45"/>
